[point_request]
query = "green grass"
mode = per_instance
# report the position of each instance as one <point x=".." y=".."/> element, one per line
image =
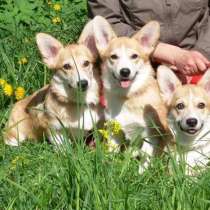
<point x="35" y="176"/>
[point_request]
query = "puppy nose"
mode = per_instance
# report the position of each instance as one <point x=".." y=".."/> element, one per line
<point x="82" y="84"/>
<point x="125" y="72"/>
<point x="192" y="122"/>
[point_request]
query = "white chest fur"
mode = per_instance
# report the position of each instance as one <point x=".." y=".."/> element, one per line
<point x="131" y="120"/>
<point x="125" y="117"/>
<point x="78" y="119"/>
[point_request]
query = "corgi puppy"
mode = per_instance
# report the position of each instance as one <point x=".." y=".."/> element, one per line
<point x="188" y="115"/>
<point x="71" y="100"/>
<point x="130" y="89"/>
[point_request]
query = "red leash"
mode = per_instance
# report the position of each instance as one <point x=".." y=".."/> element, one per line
<point x="102" y="100"/>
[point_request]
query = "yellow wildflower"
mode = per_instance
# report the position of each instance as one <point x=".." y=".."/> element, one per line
<point x="8" y="90"/>
<point x="2" y="82"/>
<point x="23" y="61"/>
<point x="57" y="7"/>
<point x="104" y="133"/>
<point x="56" y="20"/>
<point x="18" y="160"/>
<point x="115" y="126"/>
<point x="19" y="93"/>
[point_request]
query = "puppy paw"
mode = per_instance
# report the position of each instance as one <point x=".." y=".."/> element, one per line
<point x="144" y="167"/>
<point x="141" y="170"/>
<point x="12" y="142"/>
<point x="56" y="139"/>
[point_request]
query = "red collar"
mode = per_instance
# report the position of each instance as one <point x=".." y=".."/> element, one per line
<point x="194" y="79"/>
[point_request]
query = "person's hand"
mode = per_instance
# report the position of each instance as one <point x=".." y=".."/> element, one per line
<point x="185" y="61"/>
<point x="200" y="60"/>
<point x="190" y="62"/>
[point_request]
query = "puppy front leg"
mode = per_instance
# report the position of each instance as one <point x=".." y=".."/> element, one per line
<point x="14" y="141"/>
<point x="148" y="150"/>
<point x="56" y="137"/>
<point x="145" y="150"/>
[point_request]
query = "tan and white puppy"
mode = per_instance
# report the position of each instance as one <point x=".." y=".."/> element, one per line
<point x="130" y="90"/>
<point x="188" y="115"/>
<point x="71" y="100"/>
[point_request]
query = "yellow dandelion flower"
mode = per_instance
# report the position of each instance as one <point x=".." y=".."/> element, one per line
<point x="8" y="90"/>
<point x="56" y="20"/>
<point x="19" y="93"/>
<point x="57" y="7"/>
<point x="104" y="133"/>
<point x="18" y="160"/>
<point x="23" y="61"/>
<point x="2" y="82"/>
<point x="113" y="126"/>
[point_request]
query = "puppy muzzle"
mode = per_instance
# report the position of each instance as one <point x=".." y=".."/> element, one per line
<point x="190" y="126"/>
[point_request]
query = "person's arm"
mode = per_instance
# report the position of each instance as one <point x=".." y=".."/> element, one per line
<point x="185" y="61"/>
<point x="188" y="62"/>
<point x="110" y="9"/>
<point x="203" y="43"/>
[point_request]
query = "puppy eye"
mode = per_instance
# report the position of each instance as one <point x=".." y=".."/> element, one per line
<point x="67" y="66"/>
<point x="114" y="57"/>
<point x="180" y="106"/>
<point x="201" y="105"/>
<point x="86" y="63"/>
<point x="134" y="56"/>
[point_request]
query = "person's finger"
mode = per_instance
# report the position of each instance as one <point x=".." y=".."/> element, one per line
<point x="200" y="65"/>
<point x="201" y="56"/>
<point x="173" y="67"/>
<point x="191" y="67"/>
<point x="204" y="59"/>
<point x="187" y="71"/>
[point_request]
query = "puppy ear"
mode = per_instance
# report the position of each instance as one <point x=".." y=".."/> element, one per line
<point x="103" y="33"/>
<point x="87" y="38"/>
<point x="168" y="83"/>
<point x="205" y="81"/>
<point x="148" y="36"/>
<point x="49" y="48"/>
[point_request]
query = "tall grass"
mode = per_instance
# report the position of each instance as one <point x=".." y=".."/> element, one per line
<point x="35" y="176"/>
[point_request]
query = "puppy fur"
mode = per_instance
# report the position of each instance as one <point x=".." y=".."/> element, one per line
<point x="133" y="100"/>
<point x="188" y="115"/>
<point x="71" y="100"/>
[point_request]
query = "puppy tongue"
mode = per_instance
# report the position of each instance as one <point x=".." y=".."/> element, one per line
<point x="125" y="84"/>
